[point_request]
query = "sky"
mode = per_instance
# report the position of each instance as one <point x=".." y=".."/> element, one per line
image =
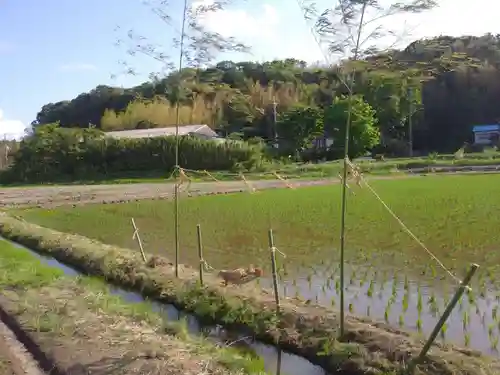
<point x="52" y="50"/>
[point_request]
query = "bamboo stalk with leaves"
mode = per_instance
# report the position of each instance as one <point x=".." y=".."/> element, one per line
<point x="353" y="31"/>
<point x="197" y="47"/>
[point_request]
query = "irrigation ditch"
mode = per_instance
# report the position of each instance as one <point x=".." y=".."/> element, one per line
<point x="276" y="361"/>
<point x="303" y="329"/>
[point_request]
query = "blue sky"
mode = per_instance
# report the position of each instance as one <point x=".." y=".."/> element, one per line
<point x="53" y="50"/>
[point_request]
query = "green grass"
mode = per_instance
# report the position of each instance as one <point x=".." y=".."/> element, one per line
<point x="455" y="216"/>
<point x="21" y="271"/>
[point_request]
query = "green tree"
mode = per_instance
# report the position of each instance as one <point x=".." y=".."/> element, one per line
<point x="447" y="96"/>
<point x="300" y="125"/>
<point x="364" y="133"/>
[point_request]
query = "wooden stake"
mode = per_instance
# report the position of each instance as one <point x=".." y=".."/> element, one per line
<point x="447" y="312"/>
<point x="278" y="360"/>
<point x="274" y="270"/>
<point x="200" y="252"/>
<point x="138" y="237"/>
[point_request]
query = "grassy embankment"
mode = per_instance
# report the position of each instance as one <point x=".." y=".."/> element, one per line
<point x="82" y="328"/>
<point x="303" y="328"/>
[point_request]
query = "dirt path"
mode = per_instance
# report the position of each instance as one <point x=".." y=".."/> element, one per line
<point x="53" y="196"/>
<point x="84" y="332"/>
<point x="14" y="358"/>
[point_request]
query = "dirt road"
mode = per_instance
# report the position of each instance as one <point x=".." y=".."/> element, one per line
<point x="53" y="196"/>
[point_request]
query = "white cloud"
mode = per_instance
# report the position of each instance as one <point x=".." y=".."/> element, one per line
<point x="239" y="22"/>
<point x="77" y="67"/>
<point x="11" y="129"/>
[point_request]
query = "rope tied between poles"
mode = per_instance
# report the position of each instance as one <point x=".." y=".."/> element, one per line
<point x="355" y="172"/>
<point x="274" y="249"/>
<point x="207" y="266"/>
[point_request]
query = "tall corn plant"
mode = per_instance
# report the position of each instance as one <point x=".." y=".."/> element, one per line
<point x="351" y="31"/>
<point x="197" y="47"/>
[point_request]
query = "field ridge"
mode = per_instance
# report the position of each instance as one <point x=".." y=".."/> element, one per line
<point x="19" y="355"/>
<point x="307" y="330"/>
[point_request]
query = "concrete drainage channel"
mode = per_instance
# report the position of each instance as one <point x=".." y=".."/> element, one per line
<point x="276" y="361"/>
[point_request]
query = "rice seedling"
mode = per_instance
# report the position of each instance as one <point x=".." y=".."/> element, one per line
<point x="491" y="328"/>
<point x="494" y="313"/>
<point x="419" y="301"/>
<point x="419" y="325"/>
<point x="386" y="314"/>
<point x="329" y="283"/>
<point x="465" y="320"/>
<point x="406" y="298"/>
<point x="494" y="343"/>
<point x="369" y="292"/>
<point x="309" y="281"/>
<point x="304" y="228"/>
<point x="443" y="330"/>
<point x="394" y="289"/>
<point x="401" y="320"/>
<point x="467" y="339"/>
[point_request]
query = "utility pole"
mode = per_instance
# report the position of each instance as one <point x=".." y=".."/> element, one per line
<point x="6" y="152"/>
<point x="275" y="119"/>
<point x="410" y="124"/>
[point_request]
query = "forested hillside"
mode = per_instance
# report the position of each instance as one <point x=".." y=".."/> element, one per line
<point x="446" y="84"/>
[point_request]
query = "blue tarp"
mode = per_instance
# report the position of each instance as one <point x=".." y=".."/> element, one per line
<point x="485" y="128"/>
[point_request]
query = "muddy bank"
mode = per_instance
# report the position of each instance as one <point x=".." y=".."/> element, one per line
<point x="307" y="330"/>
<point x="15" y="358"/>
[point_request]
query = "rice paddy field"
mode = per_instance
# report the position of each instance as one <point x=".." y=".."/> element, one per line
<point x="389" y="275"/>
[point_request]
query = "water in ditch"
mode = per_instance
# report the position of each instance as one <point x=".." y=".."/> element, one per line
<point x="276" y="361"/>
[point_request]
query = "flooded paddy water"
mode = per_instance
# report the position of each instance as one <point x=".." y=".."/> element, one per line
<point x="404" y="301"/>
<point x="389" y="277"/>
